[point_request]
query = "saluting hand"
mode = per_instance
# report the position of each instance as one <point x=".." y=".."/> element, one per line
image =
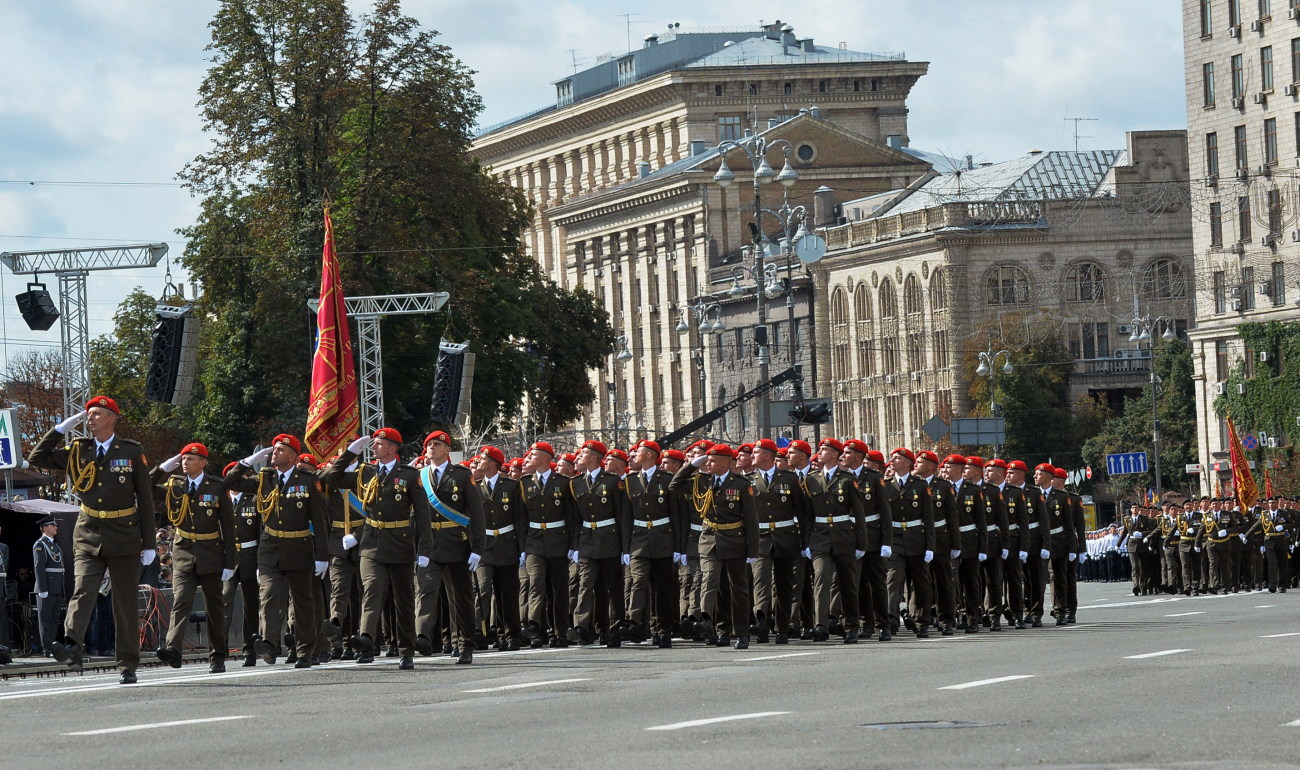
<point x="171" y="463"/>
<point x="71" y="421"/>
<point x="358" y="445"/>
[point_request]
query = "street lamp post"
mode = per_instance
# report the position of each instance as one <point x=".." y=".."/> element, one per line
<point x="702" y="310"/>
<point x="1142" y="328"/>
<point x="622" y="355"/>
<point x="988" y="360"/>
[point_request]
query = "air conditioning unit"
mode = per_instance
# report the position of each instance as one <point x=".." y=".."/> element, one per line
<point x="1263" y="356"/>
<point x="1243" y="173"/>
<point x="1241" y="389"/>
<point x="1268" y="241"/>
<point x="1124" y="329"/>
<point x="916" y="376"/>
<point x="1266" y="288"/>
<point x="1260" y="98"/>
<point x="652" y="308"/>
<point x="674" y="357"/>
<point x="1238" y="102"/>
<point x="1289" y="89"/>
<point x="1291" y="14"/>
<point x="1213" y="180"/>
<point x="1257" y="25"/>
<point x="1235" y="305"/>
<point x="1272" y="442"/>
<point x="1295" y="236"/>
<point x="1264" y="171"/>
<point x="1234" y="31"/>
<point x="1235" y="291"/>
<point x="1220" y="388"/>
<point x="840" y="387"/>
<point x="889" y="379"/>
<point x="916" y="435"/>
<point x="1238" y="248"/>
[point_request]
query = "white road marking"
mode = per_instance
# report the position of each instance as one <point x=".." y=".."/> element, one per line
<point x="1279" y="636"/>
<point x="1154" y="654"/>
<point x="982" y="682"/>
<point x="1292" y="724"/>
<point x="130" y="728"/>
<point x="1264" y="606"/>
<point x="198" y="679"/>
<point x="1185" y="614"/>
<point x="526" y="684"/>
<point x="775" y="657"/>
<point x="716" y="720"/>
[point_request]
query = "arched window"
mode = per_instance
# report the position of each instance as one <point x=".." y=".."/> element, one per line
<point x="839" y="307"/>
<point x="1007" y="285"/>
<point x="861" y="303"/>
<point x="938" y="291"/>
<point x="888" y="300"/>
<point x="1164" y="280"/>
<point x="1084" y="282"/>
<point x="912" y="301"/>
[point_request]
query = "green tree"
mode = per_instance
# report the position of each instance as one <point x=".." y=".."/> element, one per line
<point x="305" y="102"/>
<point x="1263" y="396"/>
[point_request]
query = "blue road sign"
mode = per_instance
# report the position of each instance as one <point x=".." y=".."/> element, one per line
<point x="1128" y="462"/>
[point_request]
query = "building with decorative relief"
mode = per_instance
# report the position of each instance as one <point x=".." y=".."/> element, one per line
<point x="1242" y="66"/>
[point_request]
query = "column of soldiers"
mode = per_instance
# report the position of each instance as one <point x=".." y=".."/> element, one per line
<point x="726" y="546"/>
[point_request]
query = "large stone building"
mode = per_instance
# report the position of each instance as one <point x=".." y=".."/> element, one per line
<point x="1083" y="238"/>
<point x="1242" y="61"/>
<point x="620" y="169"/>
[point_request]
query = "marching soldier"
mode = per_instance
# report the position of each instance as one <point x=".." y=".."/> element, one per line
<point x="689" y="623"/>
<point x="835" y="541"/>
<point x="457" y="541"/>
<point x="995" y="520"/>
<point x="947" y="540"/>
<point x="652" y="555"/>
<point x="1171" y="572"/>
<point x="248" y="530"/>
<point x="913" y="547"/>
<point x="347" y="515"/>
<point x="1016" y="542"/>
<point x="291" y="553"/>
<point x="798" y="458"/>
<point x="1037" y="542"/>
<point x="877" y="519"/>
<point x="1272" y="525"/>
<point x="974" y="546"/>
<point x="203" y="551"/>
<point x="598" y="545"/>
<point x="1075" y="507"/>
<point x="1190" y="537"/>
<point x="1137" y="527"/>
<point x="730" y="538"/>
<point x="783" y="515"/>
<point x="1061" y="530"/>
<point x="114" y="532"/>
<point x="1221" y="527"/>
<point x="551" y="522"/>
<point x="505" y="517"/>
<point x="48" y="567"/>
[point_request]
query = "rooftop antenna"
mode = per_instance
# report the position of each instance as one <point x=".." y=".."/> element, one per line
<point x="1076" y="122"/>
<point x="628" y="18"/>
<point x="573" y="57"/>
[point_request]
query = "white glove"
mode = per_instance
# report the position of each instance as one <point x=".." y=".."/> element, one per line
<point x="321" y="566"/>
<point x="751" y="559"/>
<point x="257" y="458"/>
<point x="1279" y="527"/>
<point x="1005" y="554"/>
<point x="697" y="462"/>
<point x="71" y="421"/>
<point x="1196" y="548"/>
<point x="522" y="557"/>
<point x="1044" y="554"/>
<point x="626" y="559"/>
<point x="227" y="574"/>
<point x="1071" y="557"/>
<point x="43" y="594"/>
<point x="170" y="464"/>
<point x="885" y="552"/>
<point x="573" y="556"/>
<point x="807" y="553"/>
<point x="474" y="559"/>
<point x="1223" y="533"/>
<point x="1082" y="555"/>
<point x="1262" y="549"/>
<point x="929" y="556"/>
<point x="1024" y="557"/>
<point x="422" y="561"/>
<point x="349" y="541"/>
<point x="147" y="556"/>
<point x="679" y="558"/>
<point x="859" y="554"/>
<point x="954" y="554"/>
<point x="359" y="445"/>
<point x="983" y="557"/>
<point x="351" y="468"/>
<point x="1243" y="538"/>
<point x="1137" y="535"/>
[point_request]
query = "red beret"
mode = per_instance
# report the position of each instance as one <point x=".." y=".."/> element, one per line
<point x="978" y="462"/>
<point x="745" y="448"/>
<point x="653" y="446"/>
<point x="226" y="470"/>
<point x="493" y="453"/>
<point x="783" y="451"/>
<point x="437" y="435"/>
<point x="553" y="465"/>
<point x="103" y="402"/>
<point x="1045" y="467"/>
<point x="595" y="446"/>
<point x="832" y="443"/>
<point x="875" y="457"/>
<point x="618" y="453"/>
<point x="675" y="454"/>
<point x="926" y="454"/>
<point x="904" y="451"/>
<point x="388" y="434"/>
<point x="954" y="460"/>
<point x="464" y="463"/>
<point x="569" y="458"/>
<point x="517" y="461"/>
<point x="722" y="450"/>
<point x="856" y="446"/>
<point x="768" y="444"/>
<point x="703" y="443"/>
<point x="542" y="446"/>
<point x="307" y="458"/>
<point x="1060" y="473"/>
<point x="802" y="446"/>
<point x="195" y="449"/>
<point x="997" y="462"/>
<point x="1017" y="465"/>
<point x="289" y="441"/>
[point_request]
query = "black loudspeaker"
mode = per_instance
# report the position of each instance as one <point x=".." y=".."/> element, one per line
<point x="170" y="378"/>
<point x="452" y="382"/>
<point x="37" y="308"/>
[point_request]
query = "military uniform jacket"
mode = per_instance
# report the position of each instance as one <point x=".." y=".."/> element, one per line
<point x="452" y="542"/>
<point x="1168" y="528"/>
<point x="342" y="521"/>
<point x="1269" y="524"/>
<point x="397" y="515"/>
<point x="603" y="515"/>
<point x="1221" y="521"/>
<point x="838" y="525"/>
<point x="729" y="515"/>
<point x="971" y="530"/>
<point x="505" y="519"/>
<point x="1190" y="531"/>
<point x="656" y="516"/>
<point x="876" y="514"/>
<point x="204" y="522"/>
<point x="1080" y="523"/>
<point x="1139" y="525"/>
<point x="1060" y="523"/>
<point x="688" y="535"/>
<point x="49" y="567"/>
<point x="118" y="486"/>
<point x="995" y="520"/>
<point x="1038" y="536"/>
<point x="783" y="513"/>
<point x="945" y="516"/>
<point x="1017" y="507"/>
<point x="248" y="531"/>
<point x="552" y="517"/>
<point x="293" y="516"/>
<point x="912" y="506"/>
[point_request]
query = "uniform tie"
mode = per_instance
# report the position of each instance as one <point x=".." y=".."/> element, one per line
<point x="284" y="478"/>
<point x="193" y="488"/>
<point x="383" y="473"/>
<point x="717" y="485"/>
<point x="437" y="477"/>
<point x="99" y="455"/>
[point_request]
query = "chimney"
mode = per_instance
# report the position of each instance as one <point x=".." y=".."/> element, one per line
<point x="895" y="141"/>
<point x="807" y="45"/>
<point x="787" y="39"/>
<point x="815" y="111"/>
<point x="643" y="169"/>
<point x="823" y="207"/>
<point x="773" y="31"/>
<point x="970" y="162"/>
<point x="697" y="147"/>
<point x="651" y="39"/>
<point x="773" y="121"/>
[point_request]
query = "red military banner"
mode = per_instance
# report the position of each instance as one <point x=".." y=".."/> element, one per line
<point x="1243" y="481"/>
<point x="334" y="409"/>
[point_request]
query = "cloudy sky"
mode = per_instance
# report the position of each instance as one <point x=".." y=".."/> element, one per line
<point x="97" y="102"/>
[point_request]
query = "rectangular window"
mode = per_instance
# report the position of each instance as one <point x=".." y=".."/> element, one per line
<point x="1266" y="68"/>
<point x="753" y="89"/>
<point x="728" y="127"/>
<point x="1073" y="336"/>
<point x="789" y="88"/>
<point x="1295" y="60"/>
<point x="1216" y="224"/>
<point x="1221" y="360"/>
<point x="1243" y="219"/>
<point x="1206" y="27"/>
<point x="941" y="349"/>
<point x="1212" y="154"/>
<point x="1270" y="141"/>
<point x="866" y="366"/>
<point x="1103" y="340"/>
<point x="1234" y="13"/>
<point x="1207" y="83"/>
<point x="1240" y="156"/>
<point x="916" y="351"/>
<point x="1279" y="284"/>
<point x="1089" y="344"/>
<point x="889" y="355"/>
<point x="1220" y="291"/>
<point x="823" y="86"/>
<point x="1265" y="9"/>
<point x="719" y="89"/>
<point x="1274" y="201"/>
<point x="1248" y="288"/>
<point x="1238" y="77"/>
<point x="857" y="85"/>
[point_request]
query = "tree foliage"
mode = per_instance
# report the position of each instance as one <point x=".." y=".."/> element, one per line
<point x="1263" y="397"/>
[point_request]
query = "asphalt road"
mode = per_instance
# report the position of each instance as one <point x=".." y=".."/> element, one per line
<point x="1139" y="682"/>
